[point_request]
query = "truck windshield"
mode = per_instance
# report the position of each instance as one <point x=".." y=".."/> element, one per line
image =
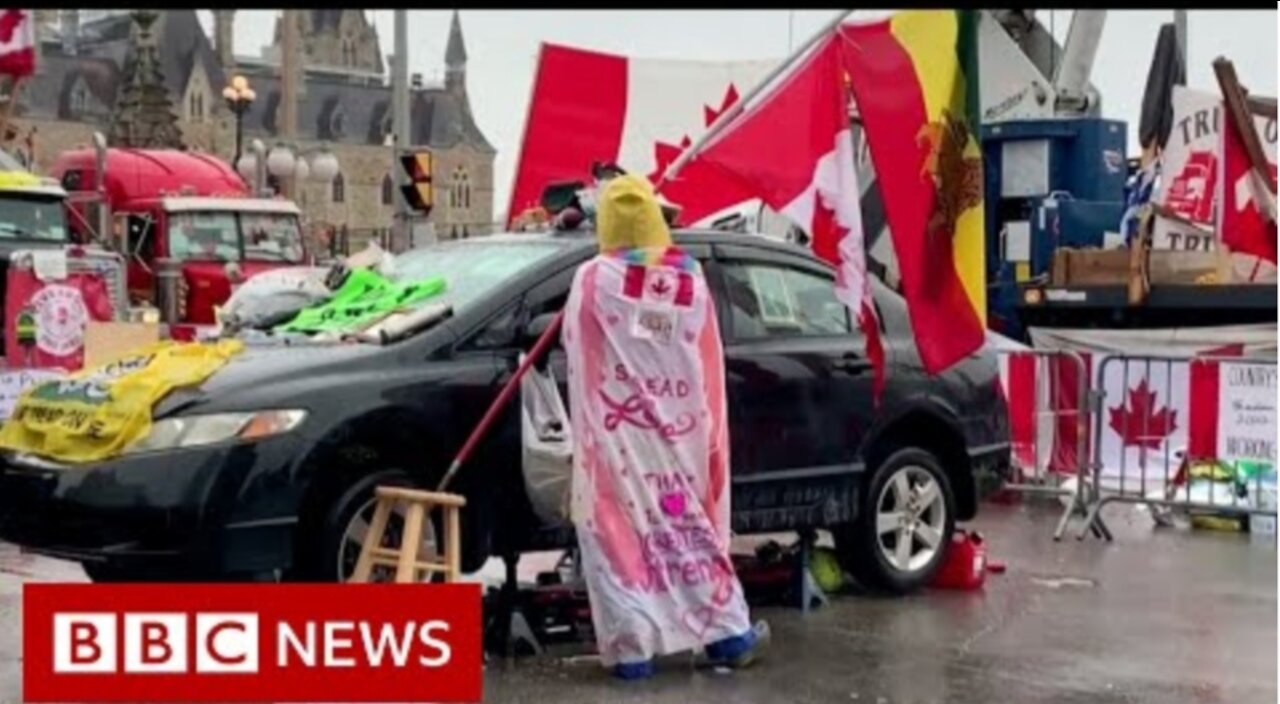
<point x="32" y="218"/>
<point x="219" y="236"/>
<point x="271" y="236"/>
<point x="471" y="268"/>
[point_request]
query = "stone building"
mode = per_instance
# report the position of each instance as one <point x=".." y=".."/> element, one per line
<point x="344" y="105"/>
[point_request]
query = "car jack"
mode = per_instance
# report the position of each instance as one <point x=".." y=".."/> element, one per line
<point x="811" y="595"/>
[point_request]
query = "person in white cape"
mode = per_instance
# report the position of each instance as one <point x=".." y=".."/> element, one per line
<point x="650" y="500"/>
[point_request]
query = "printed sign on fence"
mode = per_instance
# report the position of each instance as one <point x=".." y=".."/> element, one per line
<point x="1247" y="412"/>
<point x="13" y="383"/>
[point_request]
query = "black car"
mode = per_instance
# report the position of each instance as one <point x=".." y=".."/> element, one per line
<point x="267" y="470"/>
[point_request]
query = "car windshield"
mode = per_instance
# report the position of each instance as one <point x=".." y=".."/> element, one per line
<point x="32" y="218"/>
<point x="272" y="237"/>
<point x="472" y="268"/>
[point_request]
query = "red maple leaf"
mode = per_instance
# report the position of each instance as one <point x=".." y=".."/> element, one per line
<point x="660" y="286"/>
<point x="10" y="20"/>
<point x="709" y="114"/>
<point x="664" y="154"/>
<point x="1143" y="423"/>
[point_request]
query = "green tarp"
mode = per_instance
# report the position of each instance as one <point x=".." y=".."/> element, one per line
<point x="364" y="297"/>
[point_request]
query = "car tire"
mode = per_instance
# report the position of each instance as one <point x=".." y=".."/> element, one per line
<point x="869" y="546"/>
<point x="335" y="549"/>
<point x="100" y="573"/>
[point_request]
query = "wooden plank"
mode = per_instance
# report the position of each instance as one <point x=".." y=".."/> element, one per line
<point x="1241" y="116"/>
<point x="410" y="540"/>
<point x="372" y="539"/>
<point x="453" y="540"/>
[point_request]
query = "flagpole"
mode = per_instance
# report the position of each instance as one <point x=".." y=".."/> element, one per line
<point x="734" y="110"/>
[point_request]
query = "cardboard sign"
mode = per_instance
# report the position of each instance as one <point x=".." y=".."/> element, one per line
<point x="107" y="342"/>
<point x="1191" y="170"/>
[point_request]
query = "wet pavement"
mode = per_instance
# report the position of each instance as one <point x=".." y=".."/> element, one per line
<point x="1158" y="616"/>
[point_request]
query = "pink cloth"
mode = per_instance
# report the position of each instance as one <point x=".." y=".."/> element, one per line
<point x="651" y="461"/>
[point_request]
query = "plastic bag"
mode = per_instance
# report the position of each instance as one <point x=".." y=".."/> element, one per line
<point x="547" y="454"/>
<point x="274" y="297"/>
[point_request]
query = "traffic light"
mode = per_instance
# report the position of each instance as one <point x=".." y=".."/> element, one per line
<point x="418" y="192"/>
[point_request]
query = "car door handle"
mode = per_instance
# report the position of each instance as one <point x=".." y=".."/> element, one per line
<point x="852" y="363"/>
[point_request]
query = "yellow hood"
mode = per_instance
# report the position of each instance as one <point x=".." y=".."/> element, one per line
<point x="628" y="215"/>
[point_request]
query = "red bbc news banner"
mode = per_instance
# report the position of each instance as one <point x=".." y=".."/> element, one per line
<point x="251" y="643"/>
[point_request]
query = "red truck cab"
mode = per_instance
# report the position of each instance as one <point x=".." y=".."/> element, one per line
<point x="187" y="207"/>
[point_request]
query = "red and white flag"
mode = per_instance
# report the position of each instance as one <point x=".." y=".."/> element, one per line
<point x="641" y="114"/>
<point x="1244" y="225"/>
<point x="17" y="43"/>
<point x="793" y="149"/>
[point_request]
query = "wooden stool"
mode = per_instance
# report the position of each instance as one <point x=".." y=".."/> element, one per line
<point x="405" y="558"/>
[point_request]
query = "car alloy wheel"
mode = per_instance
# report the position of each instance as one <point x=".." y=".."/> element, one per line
<point x="911" y="519"/>
<point x="358" y="527"/>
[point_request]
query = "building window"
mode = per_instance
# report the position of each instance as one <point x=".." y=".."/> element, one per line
<point x="388" y="190"/>
<point x="460" y="190"/>
<point x="79" y="99"/>
<point x="339" y="189"/>
<point x="195" y="107"/>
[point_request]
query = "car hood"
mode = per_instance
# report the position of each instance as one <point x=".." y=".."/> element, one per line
<point x="258" y="368"/>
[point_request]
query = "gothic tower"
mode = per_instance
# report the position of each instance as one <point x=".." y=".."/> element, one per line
<point x="455" y="59"/>
<point x="144" y="115"/>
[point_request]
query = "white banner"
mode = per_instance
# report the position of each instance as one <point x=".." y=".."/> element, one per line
<point x="1247" y="412"/>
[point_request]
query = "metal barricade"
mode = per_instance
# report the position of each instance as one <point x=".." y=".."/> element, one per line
<point x="1160" y="476"/>
<point x="1059" y="396"/>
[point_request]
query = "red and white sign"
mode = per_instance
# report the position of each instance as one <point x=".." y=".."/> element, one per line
<point x="252" y="643"/>
<point x="1192" y="170"/>
<point x="590" y="106"/>
<point x="60" y="311"/>
<point x="17" y="42"/>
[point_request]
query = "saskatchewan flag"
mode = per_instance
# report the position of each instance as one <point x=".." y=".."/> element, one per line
<point x="915" y="79"/>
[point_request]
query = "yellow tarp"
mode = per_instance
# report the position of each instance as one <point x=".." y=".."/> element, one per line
<point x="97" y="413"/>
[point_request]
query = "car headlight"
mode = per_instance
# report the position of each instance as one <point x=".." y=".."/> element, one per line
<point x="193" y="431"/>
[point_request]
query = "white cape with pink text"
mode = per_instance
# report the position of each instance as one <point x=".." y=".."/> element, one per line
<point x="651" y="464"/>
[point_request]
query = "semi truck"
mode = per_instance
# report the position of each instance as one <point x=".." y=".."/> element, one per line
<point x="186" y="223"/>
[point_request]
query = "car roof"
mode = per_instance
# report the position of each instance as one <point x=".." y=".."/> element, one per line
<point x="683" y="236"/>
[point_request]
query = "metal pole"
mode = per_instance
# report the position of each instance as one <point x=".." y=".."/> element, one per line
<point x="1180" y="31"/>
<point x="239" y="110"/>
<point x="100" y="186"/>
<point x="289" y="89"/>
<point x="728" y="115"/>
<point x="400" y="123"/>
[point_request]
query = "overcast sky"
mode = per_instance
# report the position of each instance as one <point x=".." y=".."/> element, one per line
<point x="502" y="47"/>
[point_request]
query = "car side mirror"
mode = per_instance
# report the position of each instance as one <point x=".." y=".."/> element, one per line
<point x="537" y="327"/>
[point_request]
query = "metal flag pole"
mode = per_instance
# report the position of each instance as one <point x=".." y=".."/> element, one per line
<point x="736" y="109"/>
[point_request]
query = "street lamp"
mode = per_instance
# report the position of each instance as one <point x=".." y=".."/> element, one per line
<point x="239" y="97"/>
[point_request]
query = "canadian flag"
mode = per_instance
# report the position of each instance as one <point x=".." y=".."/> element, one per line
<point x="1246" y="226"/>
<point x="590" y="106"/>
<point x="793" y="149"/>
<point x="17" y="43"/>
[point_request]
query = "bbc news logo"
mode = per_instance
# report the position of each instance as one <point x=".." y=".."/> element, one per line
<point x="281" y="643"/>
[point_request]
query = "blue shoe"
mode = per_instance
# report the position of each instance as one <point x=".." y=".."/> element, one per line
<point x="740" y="651"/>
<point x="634" y="670"/>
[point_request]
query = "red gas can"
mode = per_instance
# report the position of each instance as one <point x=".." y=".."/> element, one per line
<point x="965" y="564"/>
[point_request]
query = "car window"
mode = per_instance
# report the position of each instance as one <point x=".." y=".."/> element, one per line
<point x="501" y="332"/>
<point x="767" y="300"/>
